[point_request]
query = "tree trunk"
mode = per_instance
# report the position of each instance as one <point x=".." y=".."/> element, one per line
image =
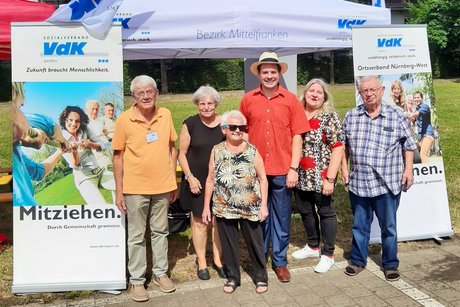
<point x="331" y="71"/>
<point x="164" y="77"/>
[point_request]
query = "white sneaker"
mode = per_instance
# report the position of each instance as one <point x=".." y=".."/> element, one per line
<point x="306" y="252"/>
<point x="324" y="264"/>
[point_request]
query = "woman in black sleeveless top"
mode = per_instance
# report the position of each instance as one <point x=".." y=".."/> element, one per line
<point x="198" y="136"/>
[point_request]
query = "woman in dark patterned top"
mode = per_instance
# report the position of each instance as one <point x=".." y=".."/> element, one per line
<point x="238" y="186"/>
<point x="322" y="151"/>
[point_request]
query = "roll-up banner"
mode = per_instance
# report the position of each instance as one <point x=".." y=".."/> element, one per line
<point x="399" y="54"/>
<point x="68" y="234"/>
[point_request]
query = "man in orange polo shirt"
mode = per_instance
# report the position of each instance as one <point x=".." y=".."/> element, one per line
<point x="144" y="164"/>
<point x="276" y="121"/>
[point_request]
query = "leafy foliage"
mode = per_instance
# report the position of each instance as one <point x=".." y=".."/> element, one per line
<point x="5" y="76"/>
<point x="443" y="20"/>
<point x="187" y="75"/>
<point x="313" y="65"/>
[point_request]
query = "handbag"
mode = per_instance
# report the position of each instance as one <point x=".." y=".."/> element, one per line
<point x="178" y="218"/>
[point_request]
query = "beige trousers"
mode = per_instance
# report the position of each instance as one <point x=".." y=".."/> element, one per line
<point x="140" y="210"/>
<point x="425" y="146"/>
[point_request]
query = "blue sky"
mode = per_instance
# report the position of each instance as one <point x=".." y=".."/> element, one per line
<point x="50" y="98"/>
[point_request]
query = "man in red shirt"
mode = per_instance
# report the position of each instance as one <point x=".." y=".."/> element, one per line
<point x="276" y="121"/>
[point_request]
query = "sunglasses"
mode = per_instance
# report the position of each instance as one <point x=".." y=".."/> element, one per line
<point x="242" y="128"/>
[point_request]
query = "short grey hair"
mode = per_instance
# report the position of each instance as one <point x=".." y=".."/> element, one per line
<point x="206" y="91"/>
<point x="360" y="80"/>
<point x="142" y="80"/>
<point x="232" y="114"/>
<point x="91" y="102"/>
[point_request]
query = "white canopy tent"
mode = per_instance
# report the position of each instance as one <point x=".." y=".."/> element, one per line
<point x="239" y="28"/>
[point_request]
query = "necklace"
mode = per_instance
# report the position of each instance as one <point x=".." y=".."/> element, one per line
<point x="235" y="149"/>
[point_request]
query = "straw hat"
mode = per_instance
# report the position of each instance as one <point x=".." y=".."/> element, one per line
<point x="268" y="58"/>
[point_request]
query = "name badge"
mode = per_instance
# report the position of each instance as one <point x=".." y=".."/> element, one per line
<point x="388" y="129"/>
<point x="151" y="137"/>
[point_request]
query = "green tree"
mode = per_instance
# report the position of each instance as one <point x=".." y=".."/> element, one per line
<point x="443" y="20"/>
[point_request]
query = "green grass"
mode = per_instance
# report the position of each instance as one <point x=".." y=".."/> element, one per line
<point x="180" y="105"/>
<point x="6" y="135"/>
<point x="448" y="107"/>
<point x="64" y="192"/>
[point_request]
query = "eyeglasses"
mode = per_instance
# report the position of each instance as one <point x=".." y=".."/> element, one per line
<point x="371" y="91"/>
<point x="242" y="128"/>
<point x="149" y="93"/>
<point x="209" y="105"/>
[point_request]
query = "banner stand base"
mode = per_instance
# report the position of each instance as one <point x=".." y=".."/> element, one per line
<point x="438" y="238"/>
<point x="114" y="292"/>
<point x="108" y="287"/>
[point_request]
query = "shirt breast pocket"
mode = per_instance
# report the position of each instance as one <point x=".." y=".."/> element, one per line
<point x="388" y="141"/>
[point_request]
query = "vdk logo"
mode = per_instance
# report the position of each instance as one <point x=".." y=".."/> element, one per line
<point x="377" y="3"/>
<point x="124" y="22"/>
<point x="348" y="23"/>
<point x="389" y="42"/>
<point x="81" y="7"/>
<point x="69" y="48"/>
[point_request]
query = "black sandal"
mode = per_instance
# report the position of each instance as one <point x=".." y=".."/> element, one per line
<point x="230" y="284"/>
<point x="261" y="287"/>
<point x="391" y="274"/>
<point x="353" y="270"/>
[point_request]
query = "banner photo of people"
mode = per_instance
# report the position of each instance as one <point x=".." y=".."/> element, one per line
<point x="67" y="91"/>
<point x="398" y="56"/>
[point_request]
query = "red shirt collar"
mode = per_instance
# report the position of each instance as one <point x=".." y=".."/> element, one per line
<point x="279" y="91"/>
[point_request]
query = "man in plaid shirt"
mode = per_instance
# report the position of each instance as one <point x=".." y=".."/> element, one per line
<point x="379" y="147"/>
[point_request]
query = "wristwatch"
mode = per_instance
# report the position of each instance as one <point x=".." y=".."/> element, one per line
<point x="330" y="180"/>
<point x="188" y="176"/>
<point x="295" y="169"/>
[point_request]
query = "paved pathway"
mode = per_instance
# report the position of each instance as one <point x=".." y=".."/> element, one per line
<point x="429" y="277"/>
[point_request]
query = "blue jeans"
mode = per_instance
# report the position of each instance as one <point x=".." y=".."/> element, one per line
<point x="385" y="207"/>
<point x="277" y="226"/>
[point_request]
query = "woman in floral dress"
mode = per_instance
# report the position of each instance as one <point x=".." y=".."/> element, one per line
<point x="322" y="150"/>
